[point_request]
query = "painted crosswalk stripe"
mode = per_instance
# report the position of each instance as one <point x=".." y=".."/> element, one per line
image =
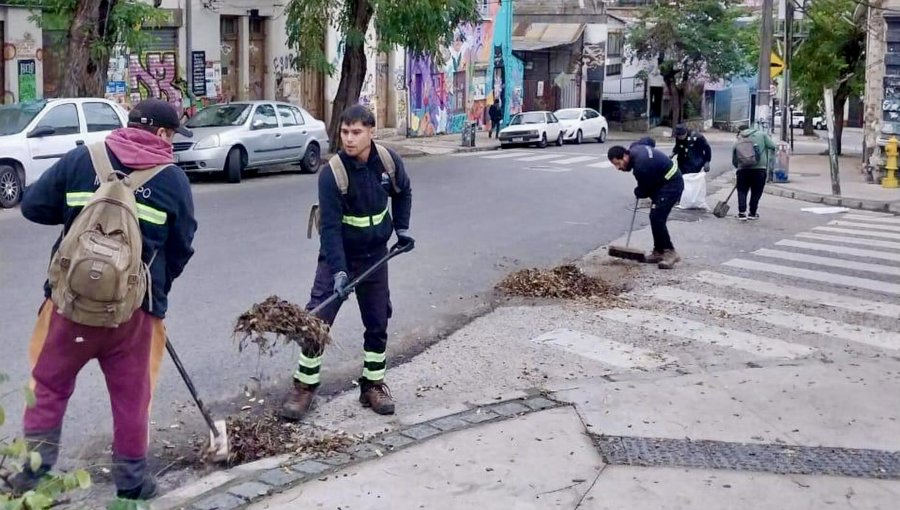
<point x="602" y="164"/>
<point x="781" y="318"/>
<point x="849" y="303"/>
<point x="816" y="276"/>
<point x="603" y="350"/>
<point x="873" y="226"/>
<point x="850" y="240"/>
<point x="828" y="261"/>
<point x="843" y="250"/>
<point x="700" y="332"/>
<point x="505" y="154"/>
<point x="875" y="219"/>
<point x="537" y="157"/>
<point x="576" y="159"/>
<point x="870" y="233"/>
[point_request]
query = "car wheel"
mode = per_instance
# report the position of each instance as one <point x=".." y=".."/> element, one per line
<point x="543" y="144"/>
<point x="10" y="186"/>
<point x="579" y="137"/>
<point x="233" y="166"/>
<point x="602" y="137"/>
<point x="559" y="140"/>
<point x="312" y="160"/>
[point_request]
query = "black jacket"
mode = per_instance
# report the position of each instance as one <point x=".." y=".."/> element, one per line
<point x="652" y="169"/>
<point x="169" y="193"/>
<point x="495" y="113"/>
<point x="692" y="153"/>
<point x="369" y="189"/>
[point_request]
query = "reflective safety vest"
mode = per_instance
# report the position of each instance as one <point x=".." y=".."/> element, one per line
<point x="343" y="183"/>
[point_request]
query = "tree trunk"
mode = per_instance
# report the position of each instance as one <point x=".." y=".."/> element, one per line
<point x="839" y="102"/>
<point x="353" y="71"/>
<point x="85" y="74"/>
<point x="675" y="98"/>
<point x="808" y="114"/>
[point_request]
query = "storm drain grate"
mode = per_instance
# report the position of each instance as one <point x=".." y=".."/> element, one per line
<point x="771" y="458"/>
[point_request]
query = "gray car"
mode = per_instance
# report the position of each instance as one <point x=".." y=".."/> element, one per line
<point x="234" y="137"/>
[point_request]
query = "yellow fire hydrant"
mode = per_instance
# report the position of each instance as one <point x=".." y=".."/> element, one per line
<point x="890" y="167"/>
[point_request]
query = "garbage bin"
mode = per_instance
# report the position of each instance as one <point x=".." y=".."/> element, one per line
<point x="782" y="163"/>
<point x="468" y="134"/>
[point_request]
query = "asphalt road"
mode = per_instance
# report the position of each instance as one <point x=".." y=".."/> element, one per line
<point x="475" y="218"/>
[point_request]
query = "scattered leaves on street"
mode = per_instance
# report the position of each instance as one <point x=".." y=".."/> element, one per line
<point x="284" y="320"/>
<point x="253" y="437"/>
<point x="562" y="282"/>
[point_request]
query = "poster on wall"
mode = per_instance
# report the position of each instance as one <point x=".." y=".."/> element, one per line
<point x="27" y="85"/>
<point x="198" y="73"/>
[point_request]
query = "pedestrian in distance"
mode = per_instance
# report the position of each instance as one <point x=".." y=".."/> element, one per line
<point x="496" y="115"/>
<point x="752" y="156"/>
<point x="356" y="223"/>
<point x="128" y="226"/>
<point x="659" y="180"/>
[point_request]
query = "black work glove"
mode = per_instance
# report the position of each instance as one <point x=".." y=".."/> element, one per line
<point x="405" y="241"/>
<point x="340" y="284"/>
<point x="706" y="167"/>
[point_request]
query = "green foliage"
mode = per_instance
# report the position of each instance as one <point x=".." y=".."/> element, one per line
<point x="420" y="26"/>
<point x="14" y="454"/>
<point x="693" y="40"/>
<point x="833" y="54"/>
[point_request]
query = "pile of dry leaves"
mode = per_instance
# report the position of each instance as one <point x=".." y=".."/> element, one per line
<point x="253" y="437"/>
<point x="562" y="282"/>
<point x="284" y="320"/>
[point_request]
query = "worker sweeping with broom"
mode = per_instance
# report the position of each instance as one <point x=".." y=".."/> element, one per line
<point x="659" y="180"/>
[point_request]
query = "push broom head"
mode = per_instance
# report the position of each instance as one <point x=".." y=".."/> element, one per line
<point x="218" y="443"/>
<point x="623" y="252"/>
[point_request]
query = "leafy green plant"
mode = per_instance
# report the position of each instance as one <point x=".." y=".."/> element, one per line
<point x="14" y="454"/>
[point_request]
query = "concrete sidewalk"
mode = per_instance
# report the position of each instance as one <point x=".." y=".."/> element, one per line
<point x="810" y="181"/>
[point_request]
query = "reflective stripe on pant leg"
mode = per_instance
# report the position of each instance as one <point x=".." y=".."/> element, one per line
<point x="308" y="369"/>
<point x="374" y="366"/>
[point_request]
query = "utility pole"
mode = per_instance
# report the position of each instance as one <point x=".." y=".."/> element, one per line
<point x="763" y="97"/>
<point x="788" y="50"/>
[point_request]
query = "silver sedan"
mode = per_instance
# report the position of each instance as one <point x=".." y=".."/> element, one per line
<point x="234" y="137"/>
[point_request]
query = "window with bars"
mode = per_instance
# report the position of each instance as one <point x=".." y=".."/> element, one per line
<point x="614" y="70"/>
<point x="615" y="44"/>
<point x="459" y="91"/>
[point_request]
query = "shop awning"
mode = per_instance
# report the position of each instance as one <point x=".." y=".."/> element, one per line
<point x="541" y="36"/>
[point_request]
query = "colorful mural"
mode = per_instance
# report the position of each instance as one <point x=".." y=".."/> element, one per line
<point x="478" y="67"/>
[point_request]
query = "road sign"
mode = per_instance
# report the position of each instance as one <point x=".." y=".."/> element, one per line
<point x="776" y="65"/>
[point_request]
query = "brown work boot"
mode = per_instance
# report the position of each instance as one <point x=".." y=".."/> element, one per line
<point x="654" y="257"/>
<point x="377" y="396"/>
<point x="670" y="258"/>
<point x="298" y="401"/>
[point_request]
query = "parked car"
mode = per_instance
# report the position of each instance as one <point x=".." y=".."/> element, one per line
<point x="581" y="123"/>
<point x="819" y="122"/>
<point x="532" y="127"/>
<point x="797" y="120"/>
<point x="36" y="134"/>
<point x="235" y="137"/>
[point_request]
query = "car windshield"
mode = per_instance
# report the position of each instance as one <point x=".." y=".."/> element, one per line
<point x="220" y="116"/>
<point x="15" y="117"/>
<point x="528" y="118"/>
<point x="569" y="114"/>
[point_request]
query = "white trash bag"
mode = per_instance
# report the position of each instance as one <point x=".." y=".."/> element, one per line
<point x="694" y="194"/>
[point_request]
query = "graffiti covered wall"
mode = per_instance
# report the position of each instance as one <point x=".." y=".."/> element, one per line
<point x="478" y="67"/>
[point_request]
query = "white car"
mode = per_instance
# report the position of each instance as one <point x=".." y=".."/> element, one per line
<point x="532" y="127"/>
<point x="581" y="123"/>
<point x="36" y="134"/>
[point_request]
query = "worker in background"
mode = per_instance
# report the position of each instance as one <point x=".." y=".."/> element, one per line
<point x="659" y="180"/>
<point x="355" y="227"/>
<point x="693" y="155"/>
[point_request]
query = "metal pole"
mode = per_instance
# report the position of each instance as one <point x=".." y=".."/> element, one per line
<point x="189" y="44"/>
<point x="786" y="88"/>
<point x="763" y="97"/>
<point x="832" y="150"/>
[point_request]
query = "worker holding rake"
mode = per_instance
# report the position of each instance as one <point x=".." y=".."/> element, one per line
<point x="355" y="225"/>
<point x="658" y="179"/>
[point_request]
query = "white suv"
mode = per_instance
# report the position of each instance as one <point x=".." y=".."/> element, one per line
<point x="36" y="134"/>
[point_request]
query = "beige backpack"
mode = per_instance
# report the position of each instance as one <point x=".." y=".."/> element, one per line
<point x="343" y="182"/>
<point x="97" y="276"/>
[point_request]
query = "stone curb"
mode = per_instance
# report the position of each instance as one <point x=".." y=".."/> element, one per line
<point x="239" y="487"/>
<point x="852" y="203"/>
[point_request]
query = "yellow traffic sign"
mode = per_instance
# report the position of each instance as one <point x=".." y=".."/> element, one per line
<point x="776" y="65"/>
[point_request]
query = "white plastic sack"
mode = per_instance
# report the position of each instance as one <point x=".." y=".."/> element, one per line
<point x="694" y="194"/>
